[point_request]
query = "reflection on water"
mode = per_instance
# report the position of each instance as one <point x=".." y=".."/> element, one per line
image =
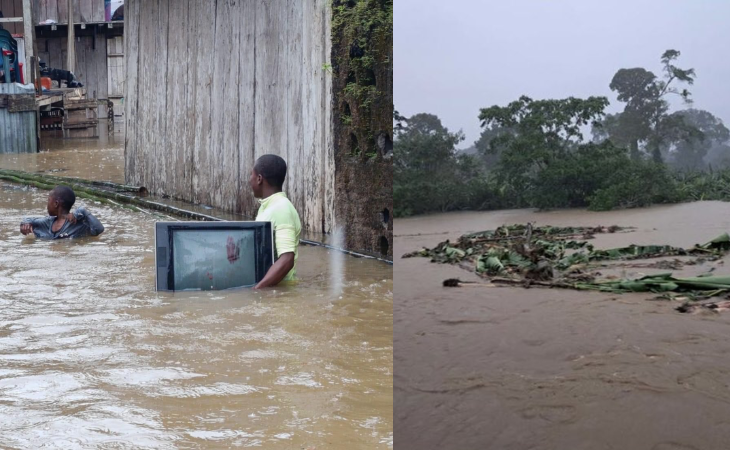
<point x="91" y="356"/>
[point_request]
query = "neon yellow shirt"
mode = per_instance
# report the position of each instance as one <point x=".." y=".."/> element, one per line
<point x="285" y="222"/>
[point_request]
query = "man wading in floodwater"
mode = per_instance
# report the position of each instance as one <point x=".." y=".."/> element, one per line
<point x="62" y="223"/>
<point x="267" y="179"/>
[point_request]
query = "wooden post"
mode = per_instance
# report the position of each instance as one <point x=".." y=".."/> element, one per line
<point x="71" y="54"/>
<point x="28" y="40"/>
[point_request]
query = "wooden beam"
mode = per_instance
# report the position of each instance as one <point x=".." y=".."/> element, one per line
<point x="28" y="40"/>
<point x="46" y="100"/>
<point x="71" y="51"/>
<point x="10" y="19"/>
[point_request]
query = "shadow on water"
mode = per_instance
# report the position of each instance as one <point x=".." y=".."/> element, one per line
<point x="91" y="356"/>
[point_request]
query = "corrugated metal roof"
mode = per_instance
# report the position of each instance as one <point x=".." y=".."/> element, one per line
<point x="17" y="130"/>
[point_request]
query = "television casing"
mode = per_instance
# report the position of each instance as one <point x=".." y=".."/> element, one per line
<point x="164" y="251"/>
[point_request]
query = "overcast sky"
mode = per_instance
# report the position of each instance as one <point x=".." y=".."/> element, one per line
<point x="453" y="57"/>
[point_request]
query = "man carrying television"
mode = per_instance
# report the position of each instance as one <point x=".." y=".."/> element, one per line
<point x="267" y="179"/>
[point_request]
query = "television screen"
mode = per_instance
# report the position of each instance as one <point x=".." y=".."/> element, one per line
<point x="212" y="255"/>
<point x="209" y="259"/>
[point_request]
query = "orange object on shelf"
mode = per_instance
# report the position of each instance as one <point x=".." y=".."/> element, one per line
<point x="45" y="82"/>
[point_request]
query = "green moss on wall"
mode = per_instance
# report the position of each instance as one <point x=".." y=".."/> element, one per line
<point x="362" y="89"/>
<point x="362" y="36"/>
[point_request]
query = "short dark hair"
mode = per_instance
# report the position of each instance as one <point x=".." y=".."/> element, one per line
<point x="272" y="168"/>
<point x="65" y="195"/>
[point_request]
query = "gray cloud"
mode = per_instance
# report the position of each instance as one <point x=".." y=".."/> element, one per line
<point x="454" y="57"/>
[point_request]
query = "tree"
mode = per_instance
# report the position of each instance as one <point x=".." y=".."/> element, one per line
<point x="641" y="124"/>
<point x="542" y="132"/>
<point x="426" y="167"/>
<point x="488" y="153"/>
<point x="696" y="133"/>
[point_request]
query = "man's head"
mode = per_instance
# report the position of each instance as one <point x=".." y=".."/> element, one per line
<point x="267" y="176"/>
<point x="60" y="201"/>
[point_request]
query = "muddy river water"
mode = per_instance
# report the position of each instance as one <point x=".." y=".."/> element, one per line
<point x="92" y="357"/>
<point x="510" y="368"/>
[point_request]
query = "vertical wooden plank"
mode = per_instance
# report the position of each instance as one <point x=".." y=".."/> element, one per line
<point x="224" y="121"/>
<point x="42" y="10"/>
<point x="101" y="66"/>
<point x="271" y="77"/>
<point x="17" y="6"/>
<point x="184" y="164"/>
<point x="42" y="53"/>
<point x="76" y="5"/>
<point x="115" y="67"/>
<point x="247" y="204"/>
<point x="310" y="121"/>
<point x="295" y="160"/>
<point x="204" y="80"/>
<point x="55" y="57"/>
<point x="111" y="67"/>
<point x="64" y="51"/>
<point x="8" y="8"/>
<point x="162" y="147"/>
<point x="131" y="77"/>
<point x="85" y="59"/>
<point x="148" y="17"/>
<point x="176" y="86"/>
<point x="85" y="11"/>
<point x="28" y="37"/>
<point x="82" y="65"/>
<point x="62" y="6"/>
<point x="36" y="7"/>
<point x="71" y="41"/>
<point x="97" y="11"/>
<point x="52" y="10"/>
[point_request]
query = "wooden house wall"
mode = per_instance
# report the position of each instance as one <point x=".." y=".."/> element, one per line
<point x="12" y="8"/>
<point x="18" y="131"/>
<point x="115" y="65"/>
<point x="85" y="11"/>
<point x="211" y="85"/>
<point x="91" y="63"/>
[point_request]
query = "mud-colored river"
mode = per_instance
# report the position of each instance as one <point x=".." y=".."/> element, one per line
<point x="92" y="357"/>
<point x="99" y="159"/>
<point x="510" y="368"/>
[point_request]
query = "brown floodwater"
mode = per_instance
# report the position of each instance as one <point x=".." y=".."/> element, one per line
<point x="92" y="357"/>
<point x="100" y="159"/>
<point x="514" y="368"/>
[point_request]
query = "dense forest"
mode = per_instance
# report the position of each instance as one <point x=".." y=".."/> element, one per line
<point x="569" y="153"/>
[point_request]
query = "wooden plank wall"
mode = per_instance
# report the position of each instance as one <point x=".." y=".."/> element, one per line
<point x="115" y="64"/>
<point x="240" y="79"/>
<point x="17" y="129"/>
<point x="85" y="11"/>
<point x="91" y="64"/>
<point x="12" y="8"/>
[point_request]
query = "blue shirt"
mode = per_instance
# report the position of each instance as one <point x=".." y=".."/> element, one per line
<point x="86" y="225"/>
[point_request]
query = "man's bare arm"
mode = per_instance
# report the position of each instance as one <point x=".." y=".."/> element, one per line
<point x="278" y="271"/>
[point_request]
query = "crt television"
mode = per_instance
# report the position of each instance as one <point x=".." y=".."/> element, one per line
<point x="212" y="255"/>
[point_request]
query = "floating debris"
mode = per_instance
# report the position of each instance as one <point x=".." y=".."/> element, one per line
<point x="560" y="257"/>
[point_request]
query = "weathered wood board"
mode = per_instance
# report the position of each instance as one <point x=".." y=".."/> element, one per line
<point x="239" y="80"/>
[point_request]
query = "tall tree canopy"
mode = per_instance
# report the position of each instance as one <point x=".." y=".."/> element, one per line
<point x="643" y="124"/>
<point x="542" y="132"/>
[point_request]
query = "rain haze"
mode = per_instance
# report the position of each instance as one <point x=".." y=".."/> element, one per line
<point x="453" y="58"/>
